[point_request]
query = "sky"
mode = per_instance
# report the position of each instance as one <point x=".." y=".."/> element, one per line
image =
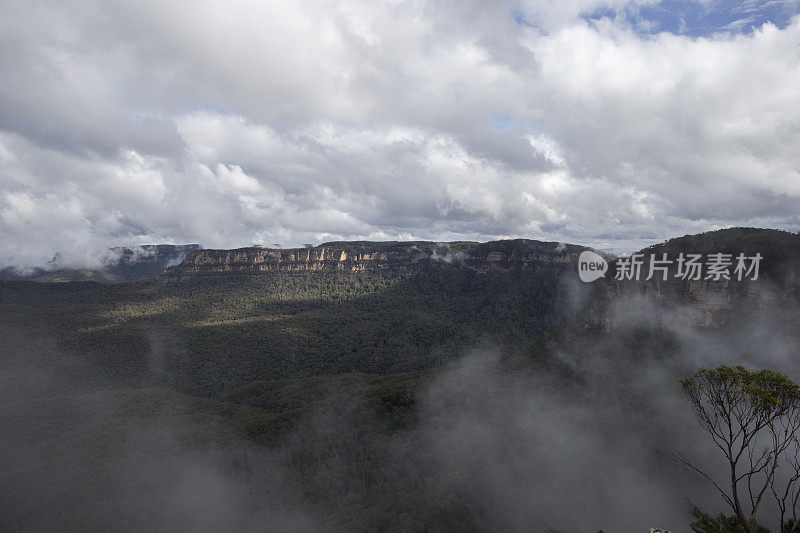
<point x="614" y="124"/>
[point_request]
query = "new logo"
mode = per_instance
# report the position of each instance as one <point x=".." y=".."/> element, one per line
<point x="591" y="266"/>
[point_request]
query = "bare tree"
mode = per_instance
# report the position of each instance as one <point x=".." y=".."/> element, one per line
<point x="753" y="417"/>
<point x="786" y="490"/>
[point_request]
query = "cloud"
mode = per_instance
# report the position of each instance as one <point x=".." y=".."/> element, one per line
<point x="291" y="123"/>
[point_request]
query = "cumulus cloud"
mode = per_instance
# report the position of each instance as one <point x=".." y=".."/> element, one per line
<point x="283" y="122"/>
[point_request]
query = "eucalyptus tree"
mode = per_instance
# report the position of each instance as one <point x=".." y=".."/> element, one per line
<point x="753" y="418"/>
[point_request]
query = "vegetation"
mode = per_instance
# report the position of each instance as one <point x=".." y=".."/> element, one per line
<point x="285" y="372"/>
<point x="780" y="249"/>
<point x="722" y="523"/>
<point x="210" y="334"/>
<point x="753" y="417"/>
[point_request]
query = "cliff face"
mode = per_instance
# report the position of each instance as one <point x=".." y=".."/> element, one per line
<point x="700" y="302"/>
<point x="613" y="302"/>
<point x="357" y="256"/>
<point x="706" y="302"/>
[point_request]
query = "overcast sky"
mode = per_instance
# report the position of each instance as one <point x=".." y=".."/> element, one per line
<point x="608" y="123"/>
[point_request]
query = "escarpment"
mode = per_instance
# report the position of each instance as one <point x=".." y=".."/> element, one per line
<point x="606" y="303"/>
<point x="707" y="302"/>
<point x="358" y="256"/>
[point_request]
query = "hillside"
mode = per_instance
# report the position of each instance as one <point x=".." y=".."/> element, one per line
<point x="711" y="302"/>
<point x="241" y="323"/>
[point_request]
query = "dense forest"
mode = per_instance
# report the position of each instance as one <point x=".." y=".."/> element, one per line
<point x="217" y="332"/>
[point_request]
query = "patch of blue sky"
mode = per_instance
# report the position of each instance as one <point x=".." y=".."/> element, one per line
<point x="697" y="18"/>
<point x="523" y="20"/>
<point x="500" y="121"/>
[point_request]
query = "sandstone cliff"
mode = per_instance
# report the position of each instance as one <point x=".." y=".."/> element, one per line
<point x="356" y="256"/>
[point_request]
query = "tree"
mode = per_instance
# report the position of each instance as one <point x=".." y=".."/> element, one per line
<point x="753" y="417"/>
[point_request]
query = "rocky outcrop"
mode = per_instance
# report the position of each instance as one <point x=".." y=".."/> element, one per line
<point x="358" y="256"/>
